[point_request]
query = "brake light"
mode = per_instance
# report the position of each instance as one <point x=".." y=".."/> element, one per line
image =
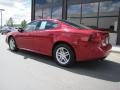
<point x="95" y="37"/>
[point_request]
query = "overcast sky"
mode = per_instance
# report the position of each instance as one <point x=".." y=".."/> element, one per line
<point x="17" y="9"/>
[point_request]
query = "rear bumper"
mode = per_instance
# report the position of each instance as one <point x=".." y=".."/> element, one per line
<point x="92" y="52"/>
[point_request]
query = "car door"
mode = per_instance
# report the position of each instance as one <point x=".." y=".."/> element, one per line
<point x="25" y="39"/>
<point x="44" y="36"/>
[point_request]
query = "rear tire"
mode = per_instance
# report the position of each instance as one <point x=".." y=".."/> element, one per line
<point x="64" y="55"/>
<point x="12" y="44"/>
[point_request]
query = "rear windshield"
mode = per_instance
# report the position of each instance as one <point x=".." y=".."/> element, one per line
<point x="80" y="26"/>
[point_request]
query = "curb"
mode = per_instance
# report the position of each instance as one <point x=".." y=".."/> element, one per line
<point x="115" y="49"/>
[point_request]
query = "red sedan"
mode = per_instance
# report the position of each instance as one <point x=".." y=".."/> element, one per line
<point x="65" y="41"/>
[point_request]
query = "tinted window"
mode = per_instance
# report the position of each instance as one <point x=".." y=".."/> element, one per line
<point x="109" y="8"/>
<point x="89" y="10"/>
<point x="73" y="11"/>
<point x="31" y="26"/>
<point x="57" y="9"/>
<point x="48" y="9"/>
<point x="43" y="8"/>
<point x="80" y="26"/>
<point x="48" y="25"/>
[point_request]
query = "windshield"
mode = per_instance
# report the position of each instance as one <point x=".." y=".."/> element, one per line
<point x="80" y="26"/>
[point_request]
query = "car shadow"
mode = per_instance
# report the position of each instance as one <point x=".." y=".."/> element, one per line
<point x="104" y="70"/>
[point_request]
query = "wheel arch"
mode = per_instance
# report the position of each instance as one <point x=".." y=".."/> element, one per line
<point x="63" y="42"/>
<point x="9" y="38"/>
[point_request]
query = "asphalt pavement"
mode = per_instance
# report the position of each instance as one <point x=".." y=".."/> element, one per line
<point x="25" y="70"/>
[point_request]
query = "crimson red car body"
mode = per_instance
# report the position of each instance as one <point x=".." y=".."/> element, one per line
<point x="87" y="44"/>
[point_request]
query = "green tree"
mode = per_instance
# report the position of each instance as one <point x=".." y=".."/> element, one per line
<point x="23" y="24"/>
<point x="10" y="22"/>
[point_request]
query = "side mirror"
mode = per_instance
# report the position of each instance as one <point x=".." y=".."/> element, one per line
<point x="20" y="29"/>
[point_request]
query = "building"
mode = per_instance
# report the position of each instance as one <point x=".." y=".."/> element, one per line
<point x="101" y="14"/>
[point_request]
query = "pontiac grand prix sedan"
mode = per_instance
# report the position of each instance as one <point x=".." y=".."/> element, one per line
<point x="65" y="41"/>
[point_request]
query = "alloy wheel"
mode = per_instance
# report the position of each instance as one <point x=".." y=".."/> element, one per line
<point x="62" y="55"/>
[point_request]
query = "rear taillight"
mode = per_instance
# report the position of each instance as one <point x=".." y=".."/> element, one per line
<point x="95" y="37"/>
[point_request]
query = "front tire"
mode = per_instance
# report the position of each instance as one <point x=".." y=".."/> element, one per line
<point x="12" y="44"/>
<point x="64" y="55"/>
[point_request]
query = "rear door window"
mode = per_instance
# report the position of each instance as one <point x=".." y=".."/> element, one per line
<point x="45" y="25"/>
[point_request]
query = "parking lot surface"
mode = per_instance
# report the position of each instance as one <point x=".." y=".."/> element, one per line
<point x="24" y="70"/>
